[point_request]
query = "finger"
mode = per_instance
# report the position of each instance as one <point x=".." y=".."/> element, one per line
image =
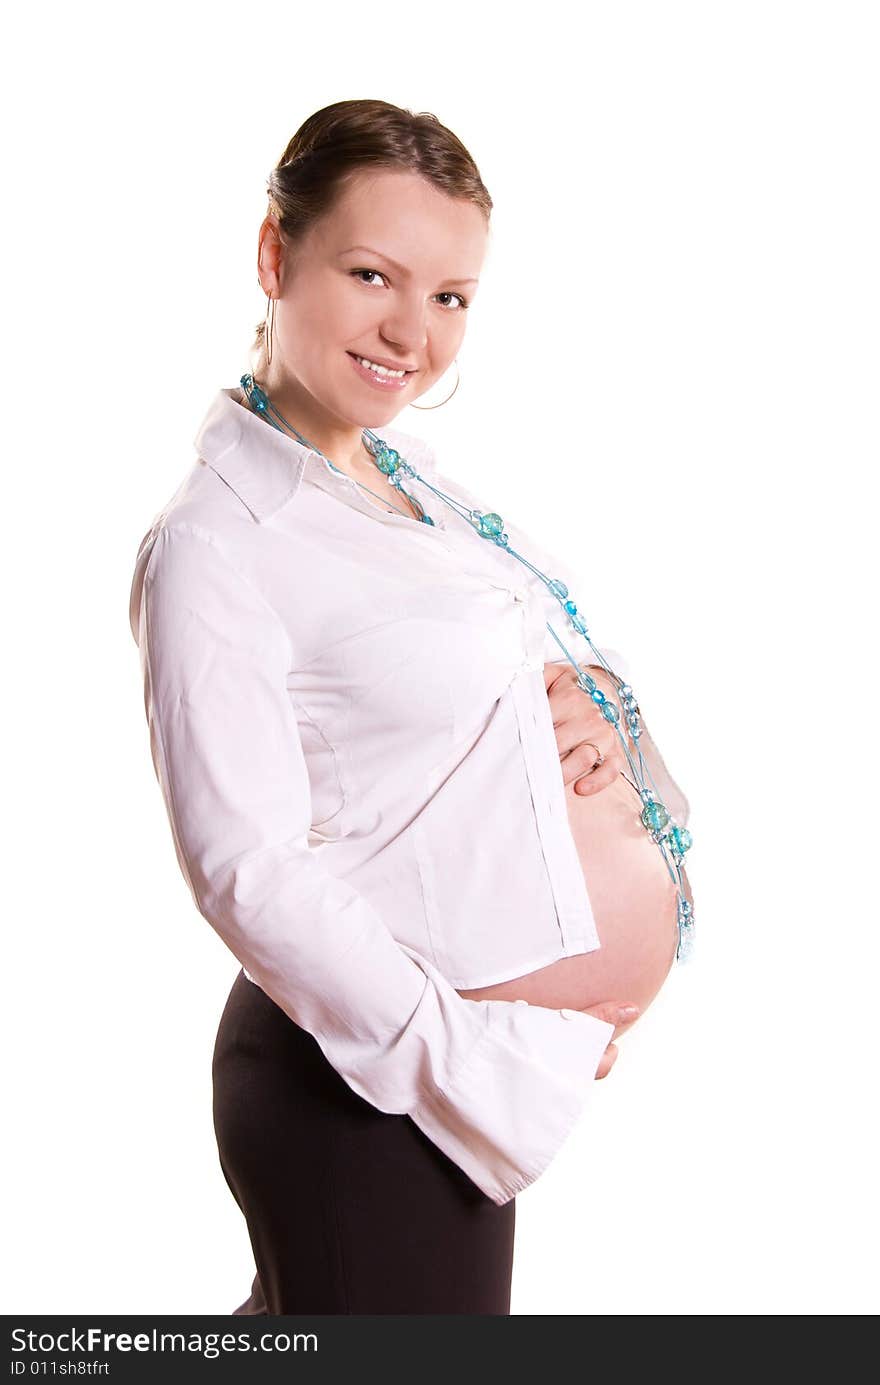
<point x="597" y="780"/>
<point x="583" y="720"/>
<point x="607" y="1061"/>
<point x="561" y="677"/>
<point x="564" y="707"/>
<point x="574" y="724"/>
<point x="623" y="1026"/>
<point x="580" y="760"/>
<point x="554" y="670"/>
<point x="568" y="703"/>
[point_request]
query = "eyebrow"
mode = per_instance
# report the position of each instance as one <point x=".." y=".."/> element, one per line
<point x="455" y="279"/>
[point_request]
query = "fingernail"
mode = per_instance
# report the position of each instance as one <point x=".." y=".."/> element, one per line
<point x="627" y="1012"/>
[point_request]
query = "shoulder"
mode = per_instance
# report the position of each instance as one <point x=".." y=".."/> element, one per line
<point x="197" y="548"/>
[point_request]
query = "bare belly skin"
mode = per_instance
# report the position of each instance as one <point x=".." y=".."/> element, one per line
<point x="634" y="902"/>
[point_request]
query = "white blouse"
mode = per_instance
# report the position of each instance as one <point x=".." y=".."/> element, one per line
<point x="350" y="728"/>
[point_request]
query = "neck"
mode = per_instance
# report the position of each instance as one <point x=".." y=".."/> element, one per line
<point x="336" y="438"/>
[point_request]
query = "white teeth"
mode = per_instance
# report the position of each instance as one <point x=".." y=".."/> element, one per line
<point x="379" y="369"/>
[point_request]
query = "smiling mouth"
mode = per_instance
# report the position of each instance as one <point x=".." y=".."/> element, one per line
<point x="380" y="368"/>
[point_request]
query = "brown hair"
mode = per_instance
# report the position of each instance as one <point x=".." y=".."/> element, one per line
<point x="340" y="139"/>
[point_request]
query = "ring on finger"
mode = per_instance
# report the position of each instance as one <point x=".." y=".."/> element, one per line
<point x="600" y="758"/>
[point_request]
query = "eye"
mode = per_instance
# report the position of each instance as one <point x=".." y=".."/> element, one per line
<point x="367" y="271"/>
<point x="463" y="303"/>
<point x="461" y="299"/>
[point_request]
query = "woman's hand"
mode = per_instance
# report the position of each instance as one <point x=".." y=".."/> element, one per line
<point x="621" y="1016"/>
<point x="581" y="730"/>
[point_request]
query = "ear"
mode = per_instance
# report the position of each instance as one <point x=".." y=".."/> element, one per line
<point x="270" y="254"/>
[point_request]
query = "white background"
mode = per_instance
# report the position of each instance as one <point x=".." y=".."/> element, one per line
<point x="676" y="342"/>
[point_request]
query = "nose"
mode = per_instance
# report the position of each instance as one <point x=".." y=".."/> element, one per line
<point x="406" y="329"/>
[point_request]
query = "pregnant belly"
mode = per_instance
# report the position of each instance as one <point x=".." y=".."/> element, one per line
<point x="634" y="901"/>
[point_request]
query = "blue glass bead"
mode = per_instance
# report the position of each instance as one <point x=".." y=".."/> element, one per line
<point x="625" y="689"/>
<point x="491" y="524"/>
<point x="426" y="519"/>
<point x="585" y="681"/>
<point x="681" y="839"/>
<point x="598" y="696"/>
<point x="579" y="624"/>
<point x="610" y="712"/>
<point x="636" y="731"/>
<point x="558" y="588"/>
<point x="655" y="816"/>
<point x="387" y="460"/>
<point x="571" y="607"/>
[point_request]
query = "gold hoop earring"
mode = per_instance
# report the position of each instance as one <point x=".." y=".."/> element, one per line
<point x="270" y="327"/>
<point x="448" y="397"/>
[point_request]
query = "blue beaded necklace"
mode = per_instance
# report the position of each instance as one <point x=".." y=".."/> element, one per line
<point x="672" y="840"/>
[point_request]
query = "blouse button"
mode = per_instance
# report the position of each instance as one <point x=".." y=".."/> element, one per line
<point x="568" y="1014"/>
<point x="520" y="1001"/>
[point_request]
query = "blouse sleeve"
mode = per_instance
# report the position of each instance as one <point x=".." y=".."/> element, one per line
<point x="496" y="1085"/>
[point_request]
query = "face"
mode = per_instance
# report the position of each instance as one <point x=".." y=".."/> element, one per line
<point x="385" y="276"/>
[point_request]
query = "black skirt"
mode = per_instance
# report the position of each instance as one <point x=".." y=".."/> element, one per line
<point x="349" y="1209"/>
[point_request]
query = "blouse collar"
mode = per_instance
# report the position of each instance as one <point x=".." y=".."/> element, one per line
<point x="266" y="467"/>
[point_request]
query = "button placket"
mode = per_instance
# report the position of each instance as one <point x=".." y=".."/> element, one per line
<point x="573" y="906"/>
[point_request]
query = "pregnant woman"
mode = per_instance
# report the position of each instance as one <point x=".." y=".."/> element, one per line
<point x="410" y="795"/>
